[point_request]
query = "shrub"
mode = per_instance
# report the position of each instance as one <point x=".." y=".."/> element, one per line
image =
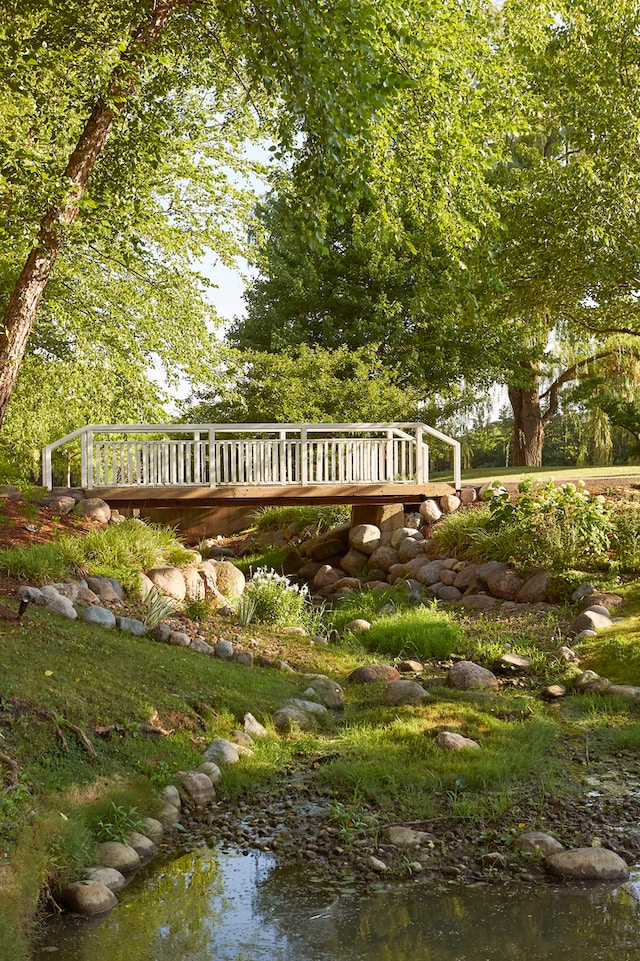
<point x="625" y="536"/>
<point x="272" y="599"/>
<point x="421" y="633"/>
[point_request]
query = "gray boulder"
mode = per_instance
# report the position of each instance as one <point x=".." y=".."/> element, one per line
<point x="539" y="843"/>
<point x="221" y="751"/>
<point x="88" y="897"/>
<point x="451" y="741"/>
<point x="365" y="538"/>
<point x="131" y="625"/>
<point x="328" y="692"/>
<point x="115" y="854"/>
<point x="405" y="691"/>
<point x="589" y="621"/>
<point x="290" y="718"/>
<point x="199" y="788"/>
<point x="430" y="511"/>
<point x="372" y="673"/>
<point x="596" y="864"/>
<point x="112" y="879"/>
<point x="94" y="509"/>
<point x="100" y="616"/>
<point x="168" y="580"/>
<point x="465" y="675"/>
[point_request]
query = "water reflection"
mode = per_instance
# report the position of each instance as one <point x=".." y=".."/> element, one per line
<point x="205" y="906"/>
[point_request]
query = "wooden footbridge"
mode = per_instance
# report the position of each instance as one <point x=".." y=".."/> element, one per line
<point x="169" y="466"/>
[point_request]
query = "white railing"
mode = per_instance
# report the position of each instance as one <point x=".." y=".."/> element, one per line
<point x="204" y="455"/>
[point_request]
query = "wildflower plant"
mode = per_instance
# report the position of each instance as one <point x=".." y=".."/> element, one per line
<point x="274" y="600"/>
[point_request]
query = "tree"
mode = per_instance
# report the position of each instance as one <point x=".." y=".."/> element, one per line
<point x="130" y="77"/>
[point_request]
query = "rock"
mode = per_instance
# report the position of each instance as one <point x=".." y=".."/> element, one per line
<point x="553" y="691"/>
<point x="430" y="511"/>
<point x="504" y="584"/>
<point x="169" y="815"/>
<point x="194" y="584"/>
<point x="538" y="843"/>
<point x="179" y="639"/>
<point x="466" y="577"/>
<point x="402" y="837"/>
<point x="604" y="598"/>
<point x="402" y="534"/>
<point x="94" y="509"/>
<point x="59" y="503"/>
<point x="489" y="569"/>
<point x="145" y="586"/>
<point x="410" y="667"/>
<point x="88" y="897"/>
<point x="34" y="594"/>
<point x="253" y="727"/>
<point x="326" y="548"/>
<point x="450" y="741"/>
<point x="534" y="588"/>
<point x="414" y="520"/>
<point x="519" y="661"/>
<point x="309" y="707"/>
<point x="449" y="593"/>
<point x="597" y="609"/>
<point x="359" y="624"/>
<point x="131" y="625"/>
<point x="100" y="616"/>
<point x="291" y="718"/>
<point x="199" y="787"/>
<point x="567" y="655"/>
<point x="382" y="559"/>
<point x="495" y="859"/>
<point x="224" y="650"/>
<point x="479" y="602"/>
<point x="582" y="591"/>
<point x="405" y="691"/>
<point x="375" y="864"/>
<point x="112" y="879"/>
<point x="410" y="548"/>
<point x="372" y="673"/>
<point x="86" y="596"/>
<point x="625" y="690"/>
<point x="58" y="604"/>
<point x="169" y="580"/>
<point x="589" y="620"/>
<point x="161" y="633"/>
<point x="211" y="769"/>
<point x="292" y="561"/>
<point x="327" y="691"/>
<point x="465" y="675"/>
<point x="429" y="573"/>
<point x="582" y="635"/>
<point x="325" y="577"/>
<point x="468" y="495"/>
<point x="449" y="503"/>
<point x="201" y="647"/>
<point x="354" y="561"/>
<point x="365" y="538"/>
<point x="153" y="829"/>
<point x="141" y="844"/>
<point x="597" y="864"/>
<point x="590" y="681"/>
<point x="115" y="854"/>
<point x="222" y="751"/>
<point x="171" y="795"/>
<point x="230" y="579"/>
<point x="243" y="657"/>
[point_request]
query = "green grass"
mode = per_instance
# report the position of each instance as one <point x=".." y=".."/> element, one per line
<point x="321" y="517"/>
<point x="420" y="633"/>
<point x="121" y="550"/>
<point x="485" y="475"/>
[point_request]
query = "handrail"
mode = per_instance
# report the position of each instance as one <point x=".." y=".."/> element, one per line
<point x="290" y="456"/>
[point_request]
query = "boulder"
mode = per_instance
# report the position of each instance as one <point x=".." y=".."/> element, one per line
<point x="59" y="503"/>
<point x="589" y="620"/>
<point x="466" y="577"/>
<point x="354" y="561"/>
<point x="328" y="692"/>
<point x="537" y="842"/>
<point x="582" y="591"/>
<point x="112" y="879"/>
<point x="465" y="675"/>
<point x="401" y="837"/>
<point x="358" y="625"/>
<point x="171" y="795"/>
<point x="504" y="584"/>
<point x="468" y="495"/>
<point x="520" y="662"/>
<point x="365" y="538"/>
<point x="449" y="593"/>
<point x="382" y="559"/>
<point x="161" y="633"/>
<point x="58" y="604"/>
<point x="94" y="509"/>
<point x="131" y="625"/>
<point x="410" y="548"/>
<point x="115" y="854"/>
<point x="88" y="897"/>
<point x="224" y="650"/>
<point x="597" y="864"/>
<point x="211" y="769"/>
<point x="429" y="572"/>
<point x="488" y="569"/>
<point x="404" y="691"/>
<point x="222" y="751"/>
<point x="194" y="584"/>
<point x="253" y="727"/>
<point x="100" y="616"/>
<point x="326" y="576"/>
<point x="449" y="503"/>
<point x="372" y="673"/>
<point x="479" y="602"/>
<point x="310" y="707"/>
<point x="141" y="844"/>
<point x="430" y="511"/>
<point x="201" y="647"/>
<point x="401" y="534"/>
<point x="450" y="741"/>
<point x="410" y="667"/>
<point x="534" y="588"/>
<point x="179" y="639"/>
<point x="604" y="598"/>
<point x="152" y="829"/>
<point x="243" y="657"/>
<point x="199" y="788"/>
<point x="230" y="579"/>
<point x="169" y="580"/>
<point x="290" y="718"/>
<point x="327" y="547"/>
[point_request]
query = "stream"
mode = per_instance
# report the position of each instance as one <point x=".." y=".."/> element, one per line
<point x="208" y="905"/>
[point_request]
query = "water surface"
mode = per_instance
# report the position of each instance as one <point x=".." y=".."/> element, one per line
<point x="212" y="906"/>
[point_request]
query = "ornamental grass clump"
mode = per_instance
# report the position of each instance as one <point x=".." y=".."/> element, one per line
<point x="273" y="599"/>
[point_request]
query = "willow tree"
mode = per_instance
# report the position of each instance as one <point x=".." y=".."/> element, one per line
<point x="116" y="108"/>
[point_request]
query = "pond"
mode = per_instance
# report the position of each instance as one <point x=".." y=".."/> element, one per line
<point x="208" y="905"/>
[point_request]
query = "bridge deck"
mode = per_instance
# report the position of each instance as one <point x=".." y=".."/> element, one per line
<point x="255" y="496"/>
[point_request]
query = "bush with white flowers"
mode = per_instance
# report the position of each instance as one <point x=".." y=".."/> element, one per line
<point x="272" y="599"/>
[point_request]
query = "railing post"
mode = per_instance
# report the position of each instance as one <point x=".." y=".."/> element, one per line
<point x="457" y="465"/>
<point x="47" y="474"/>
<point x="89" y="457"/>
<point x="304" y="457"/>
<point x="213" y="473"/>
<point x="420" y="478"/>
<point x="83" y="460"/>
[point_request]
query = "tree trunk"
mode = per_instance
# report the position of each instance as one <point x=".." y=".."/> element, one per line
<point x="528" y="426"/>
<point x="23" y="304"/>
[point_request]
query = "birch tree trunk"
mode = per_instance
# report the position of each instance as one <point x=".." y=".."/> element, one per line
<point x="22" y="308"/>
